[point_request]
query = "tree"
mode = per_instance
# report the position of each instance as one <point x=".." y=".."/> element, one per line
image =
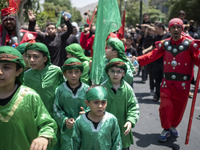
<point x="133" y="13"/>
<point x="191" y="8"/>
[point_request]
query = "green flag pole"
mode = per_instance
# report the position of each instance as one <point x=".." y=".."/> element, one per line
<point x="108" y="20"/>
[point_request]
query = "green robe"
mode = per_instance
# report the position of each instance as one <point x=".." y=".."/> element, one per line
<point x="124" y="106"/>
<point x="105" y="137"/>
<point x="85" y="75"/>
<point x="67" y="105"/>
<point x="128" y="76"/>
<point x="23" y="119"/>
<point x="44" y="82"/>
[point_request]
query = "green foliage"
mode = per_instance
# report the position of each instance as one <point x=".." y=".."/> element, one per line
<point x="3" y="4"/>
<point x="133" y="13"/>
<point x="191" y="8"/>
<point x="76" y="15"/>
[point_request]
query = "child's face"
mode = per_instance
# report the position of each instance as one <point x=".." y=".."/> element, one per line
<point x="128" y="42"/>
<point x="73" y="76"/>
<point x="70" y="55"/>
<point x="116" y="75"/>
<point x="8" y="74"/>
<point x="109" y="52"/>
<point x="97" y="107"/>
<point x="36" y="59"/>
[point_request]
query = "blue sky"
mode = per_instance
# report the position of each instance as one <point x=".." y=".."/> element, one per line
<point x="81" y="3"/>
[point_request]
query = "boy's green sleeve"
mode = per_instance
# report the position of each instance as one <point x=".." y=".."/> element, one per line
<point x="133" y="108"/>
<point x="47" y="126"/>
<point x="129" y="74"/>
<point x="58" y="114"/>
<point x="85" y="75"/>
<point x="76" y="136"/>
<point x="116" y="138"/>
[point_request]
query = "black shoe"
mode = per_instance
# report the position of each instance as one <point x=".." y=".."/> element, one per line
<point x="155" y="98"/>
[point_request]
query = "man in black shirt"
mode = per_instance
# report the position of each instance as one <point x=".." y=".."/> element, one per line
<point x="161" y="34"/>
<point x="56" y="43"/>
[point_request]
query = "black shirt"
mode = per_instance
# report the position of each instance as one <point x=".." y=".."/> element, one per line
<point x="55" y="45"/>
<point x="159" y="38"/>
<point x="74" y="90"/>
<point x="6" y="100"/>
<point x="94" y="123"/>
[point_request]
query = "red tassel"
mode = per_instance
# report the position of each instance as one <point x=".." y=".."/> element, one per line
<point x="14" y="3"/>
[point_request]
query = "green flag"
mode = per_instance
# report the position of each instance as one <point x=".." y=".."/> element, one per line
<point x="108" y="20"/>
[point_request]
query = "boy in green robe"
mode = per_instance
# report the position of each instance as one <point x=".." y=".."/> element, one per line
<point x="24" y="121"/>
<point x="121" y="100"/>
<point x="75" y="50"/>
<point x="115" y="49"/>
<point x="96" y="129"/>
<point x="43" y="77"/>
<point x="69" y="100"/>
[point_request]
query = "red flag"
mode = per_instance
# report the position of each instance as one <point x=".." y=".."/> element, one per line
<point x="92" y="17"/>
<point x="88" y="20"/>
<point x="121" y="29"/>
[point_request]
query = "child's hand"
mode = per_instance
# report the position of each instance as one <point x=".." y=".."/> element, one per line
<point x="128" y="126"/>
<point x="82" y="111"/>
<point x="39" y="143"/>
<point x="69" y="123"/>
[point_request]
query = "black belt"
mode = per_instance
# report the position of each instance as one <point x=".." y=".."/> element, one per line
<point x="177" y="76"/>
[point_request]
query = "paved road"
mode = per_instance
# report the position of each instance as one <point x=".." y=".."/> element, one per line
<point x="148" y="127"/>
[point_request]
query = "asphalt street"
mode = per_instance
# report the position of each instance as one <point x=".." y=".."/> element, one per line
<point x="148" y="128"/>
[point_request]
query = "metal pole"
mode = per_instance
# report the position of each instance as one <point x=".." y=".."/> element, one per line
<point x="141" y="12"/>
<point x="192" y="108"/>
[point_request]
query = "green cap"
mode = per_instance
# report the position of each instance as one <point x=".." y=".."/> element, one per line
<point x="97" y="93"/>
<point x="72" y="63"/>
<point x="118" y="46"/>
<point x="39" y="47"/>
<point x="116" y="62"/>
<point x="21" y="47"/>
<point x="10" y="54"/>
<point x="76" y="50"/>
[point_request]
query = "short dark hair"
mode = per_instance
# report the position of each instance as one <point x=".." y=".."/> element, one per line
<point x="160" y="25"/>
<point x="50" y="23"/>
<point x="129" y="37"/>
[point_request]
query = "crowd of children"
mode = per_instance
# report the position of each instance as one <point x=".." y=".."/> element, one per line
<point x="103" y="112"/>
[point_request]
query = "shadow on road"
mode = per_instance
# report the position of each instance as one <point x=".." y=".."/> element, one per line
<point x="145" y="140"/>
<point x="143" y="98"/>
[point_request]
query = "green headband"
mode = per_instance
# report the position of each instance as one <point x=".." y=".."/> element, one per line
<point x="97" y="93"/>
<point x="39" y="47"/>
<point x="118" y="46"/>
<point x="76" y="50"/>
<point x="72" y="63"/>
<point x="10" y="54"/>
<point x="21" y="48"/>
<point x="116" y="62"/>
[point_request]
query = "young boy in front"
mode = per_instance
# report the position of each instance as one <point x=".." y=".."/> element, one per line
<point x="96" y="129"/>
<point x="24" y="121"/>
<point x="121" y="100"/>
<point x="69" y="100"/>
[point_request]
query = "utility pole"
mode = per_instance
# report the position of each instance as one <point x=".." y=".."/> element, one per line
<point x="141" y="12"/>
